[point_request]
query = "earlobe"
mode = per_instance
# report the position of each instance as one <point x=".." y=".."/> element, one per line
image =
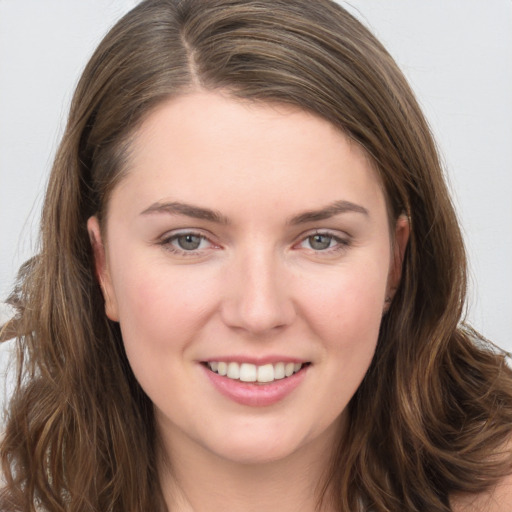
<point x="101" y="267"/>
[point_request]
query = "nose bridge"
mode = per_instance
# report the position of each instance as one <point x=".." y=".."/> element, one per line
<point x="258" y="299"/>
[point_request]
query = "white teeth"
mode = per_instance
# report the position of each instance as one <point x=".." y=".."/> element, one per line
<point x="222" y="368"/>
<point x="266" y="373"/>
<point x="279" y="371"/>
<point x="233" y="371"/>
<point x="247" y="372"/>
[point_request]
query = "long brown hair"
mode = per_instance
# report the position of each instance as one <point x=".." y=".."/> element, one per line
<point x="435" y="408"/>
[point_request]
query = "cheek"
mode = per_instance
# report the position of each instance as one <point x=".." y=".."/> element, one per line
<point x="160" y="310"/>
<point x="160" y="315"/>
<point x="349" y="306"/>
<point x="345" y="314"/>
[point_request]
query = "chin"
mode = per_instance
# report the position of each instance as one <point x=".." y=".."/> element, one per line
<point x="265" y="446"/>
<point x="255" y="453"/>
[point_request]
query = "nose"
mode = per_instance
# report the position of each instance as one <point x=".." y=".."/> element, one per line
<point x="258" y="296"/>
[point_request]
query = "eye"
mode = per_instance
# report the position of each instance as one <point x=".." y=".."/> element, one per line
<point x="324" y="242"/>
<point x="319" y="241"/>
<point x="186" y="243"/>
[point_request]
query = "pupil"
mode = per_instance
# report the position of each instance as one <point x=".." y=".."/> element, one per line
<point x="320" y="242"/>
<point x="189" y="242"/>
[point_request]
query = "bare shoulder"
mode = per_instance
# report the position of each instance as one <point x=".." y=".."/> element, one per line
<point x="496" y="499"/>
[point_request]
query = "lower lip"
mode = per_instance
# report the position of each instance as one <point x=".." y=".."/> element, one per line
<point x="253" y="394"/>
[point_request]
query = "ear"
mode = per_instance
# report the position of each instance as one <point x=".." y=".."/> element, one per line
<point x="400" y="240"/>
<point x="102" y="268"/>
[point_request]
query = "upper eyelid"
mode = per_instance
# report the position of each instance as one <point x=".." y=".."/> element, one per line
<point x="166" y="242"/>
<point x="170" y="236"/>
<point x="173" y="233"/>
<point x="342" y="236"/>
<point x="335" y="233"/>
<point x="338" y="239"/>
<point x="342" y="239"/>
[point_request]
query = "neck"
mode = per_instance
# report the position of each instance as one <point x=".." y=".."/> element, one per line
<point x="196" y="480"/>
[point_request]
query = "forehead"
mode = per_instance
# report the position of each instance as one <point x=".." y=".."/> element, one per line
<point x="212" y="147"/>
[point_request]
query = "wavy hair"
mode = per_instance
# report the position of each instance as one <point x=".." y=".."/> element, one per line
<point x="434" y="410"/>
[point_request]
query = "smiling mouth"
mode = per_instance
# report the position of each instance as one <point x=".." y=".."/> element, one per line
<point x="261" y="374"/>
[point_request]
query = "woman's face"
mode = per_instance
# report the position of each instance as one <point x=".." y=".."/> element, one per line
<point x="253" y="240"/>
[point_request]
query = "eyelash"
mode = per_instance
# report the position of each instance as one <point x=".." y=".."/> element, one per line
<point x="167" y="243"/>
<point x="341" y="244"/>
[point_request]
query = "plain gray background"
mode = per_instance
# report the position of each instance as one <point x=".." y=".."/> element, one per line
<point x="457" y="55"/>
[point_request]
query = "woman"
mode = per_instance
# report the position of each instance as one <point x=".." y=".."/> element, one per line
<point x="251" y="282"/>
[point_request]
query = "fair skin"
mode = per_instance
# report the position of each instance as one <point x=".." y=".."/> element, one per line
<point x="260" y="279"/>
<point x="255" y="236"/>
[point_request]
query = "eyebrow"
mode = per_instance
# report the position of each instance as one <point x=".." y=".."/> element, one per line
<point x="198" y="212"/>
<point x="178" y="208"/>
<point x="331" y="210"/>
